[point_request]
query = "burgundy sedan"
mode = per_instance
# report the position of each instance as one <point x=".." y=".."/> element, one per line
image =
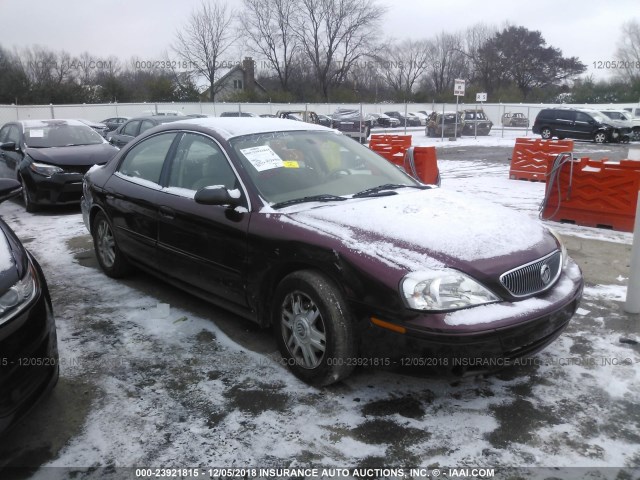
<point x="349" y="260"/>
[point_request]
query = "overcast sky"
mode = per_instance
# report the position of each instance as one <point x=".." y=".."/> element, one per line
<point x="588" y="29"/>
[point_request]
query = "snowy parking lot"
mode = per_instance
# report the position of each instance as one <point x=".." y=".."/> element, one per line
<point x="152" y="377"/>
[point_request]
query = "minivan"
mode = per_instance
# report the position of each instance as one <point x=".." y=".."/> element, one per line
<point x="579" y="124"/>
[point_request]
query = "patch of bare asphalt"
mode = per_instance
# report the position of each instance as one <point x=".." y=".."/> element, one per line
<point x="58" y="418"/>
<point x="406" y="406"/>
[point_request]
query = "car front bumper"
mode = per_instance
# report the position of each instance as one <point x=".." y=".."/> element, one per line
<point x="491" y="335"/>
<point x="58" y="189"/>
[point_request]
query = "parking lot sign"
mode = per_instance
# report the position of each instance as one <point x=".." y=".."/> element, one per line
<point x="481" y="97"/>
<point x="458" y="87"/>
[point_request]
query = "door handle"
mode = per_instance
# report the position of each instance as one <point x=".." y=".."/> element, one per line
<point x="168" y="213"/>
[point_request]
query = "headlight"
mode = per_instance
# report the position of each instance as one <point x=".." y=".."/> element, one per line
<point x="45" y="169"/>
<point x="563" y="249"/>
<point x="444" y="290"/>
<point x="17" y="295"/>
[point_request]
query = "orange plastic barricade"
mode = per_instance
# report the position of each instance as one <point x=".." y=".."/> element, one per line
<point x="422" y="163"/>
<point x="402" y="141"/>
<point x="594" y="193"/>
<point x="391" y="147"/>
<point x="530" y="156"/>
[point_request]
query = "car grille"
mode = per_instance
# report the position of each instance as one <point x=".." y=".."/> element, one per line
<point x="533" y="277"/>
<point x="76" y="169"/>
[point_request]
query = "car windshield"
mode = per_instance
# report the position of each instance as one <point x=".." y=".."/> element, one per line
<point x="289" y="166"/>
<point x="60" y="135"/>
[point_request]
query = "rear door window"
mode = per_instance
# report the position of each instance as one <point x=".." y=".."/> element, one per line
<point x="565" y="115"/>
<point x="199" y="162"/>
<point x="144" y="162"/>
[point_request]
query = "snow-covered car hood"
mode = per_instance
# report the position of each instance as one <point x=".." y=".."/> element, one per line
<point x="424" y="225"/>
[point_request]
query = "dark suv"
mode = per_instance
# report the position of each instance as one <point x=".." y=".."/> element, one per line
<point x="579" y="124"/>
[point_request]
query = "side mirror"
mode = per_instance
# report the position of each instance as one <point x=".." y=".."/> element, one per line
<point x="216" y="195"/>
<point x="9" y="188"/>
<point x="9" y="146"/>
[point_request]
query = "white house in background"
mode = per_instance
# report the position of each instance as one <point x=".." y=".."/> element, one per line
<point x="239" y="79"/>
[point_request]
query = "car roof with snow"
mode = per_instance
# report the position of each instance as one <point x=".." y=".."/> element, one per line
<point x="230" y="127"/>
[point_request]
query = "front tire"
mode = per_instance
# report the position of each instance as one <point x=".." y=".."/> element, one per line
<point x="635" y="134"/>
<point x="600" y="137"/>
<point x="546" y="133"/>
<point x="313" y="328"/>
<point x="111" y="259"/>
<point x="29" y="205"/>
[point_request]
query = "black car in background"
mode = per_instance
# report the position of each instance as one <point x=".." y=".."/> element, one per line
<point x="28" y="342"/>
<point x="134" y="127"/>
<point x="351" y="123"/>
<point x="382" y="120"/>
<point x="408" y="121"/>
<point x="579" y="124"/>
<point x="114" y="122"/>
<point x="49" y="158"/>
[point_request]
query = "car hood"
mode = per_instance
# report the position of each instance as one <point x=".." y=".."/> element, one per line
<point x="424" y="229"/>
<point x="74" y="155"/>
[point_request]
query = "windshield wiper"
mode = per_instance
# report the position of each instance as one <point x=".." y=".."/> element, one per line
<point x="324" y="197"/>
<point x="386" y="189"/>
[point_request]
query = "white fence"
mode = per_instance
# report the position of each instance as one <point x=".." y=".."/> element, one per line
<point x="97" y="112"/>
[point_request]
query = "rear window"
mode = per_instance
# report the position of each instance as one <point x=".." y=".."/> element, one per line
<point x="545" y="114"/>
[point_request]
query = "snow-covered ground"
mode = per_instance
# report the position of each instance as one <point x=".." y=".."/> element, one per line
<point x="170" y="389"/>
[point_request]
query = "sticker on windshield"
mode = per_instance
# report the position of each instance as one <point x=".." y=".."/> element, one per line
<point x="290" y="164"/>
<point x="36" y="133"/>
<point x="262" y="158"/>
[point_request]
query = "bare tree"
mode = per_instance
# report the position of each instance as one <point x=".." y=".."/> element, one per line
<point x="334" y="35"/>
<point x="269" y="30"/>
<point x="628" y="51"/>
<point x="403" y="63"/>
<point x="446" y="61"/>
<point x="474" y="38"/>
<point x="203" y="41"/>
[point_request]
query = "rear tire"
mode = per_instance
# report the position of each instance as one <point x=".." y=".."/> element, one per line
<point x="111" y="259"/>
<point x="546" y="133"/>
<point x="313" y="328"/>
